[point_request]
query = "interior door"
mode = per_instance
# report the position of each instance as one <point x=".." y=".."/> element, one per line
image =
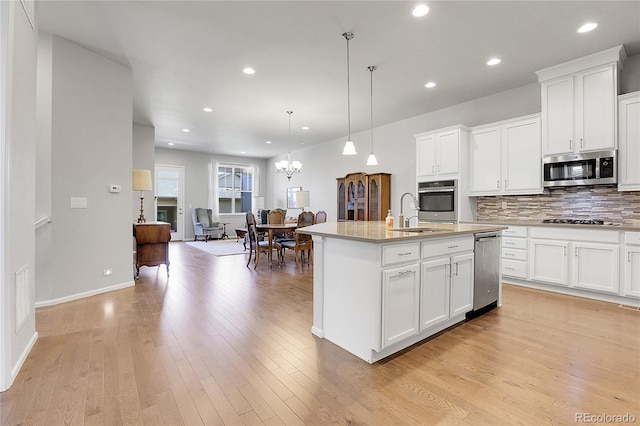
<point x="170" y="198"/>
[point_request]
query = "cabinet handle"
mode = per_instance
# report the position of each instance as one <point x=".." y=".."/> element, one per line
<point x="506" y="184"/>
<point x="629" y="256"/>
<point x="565" y="250"/>
<point x="408" y="271"/>
<point x="570" y="145"/>
<point x="456" y="269"/>
<point x="576" y="252"/>
<point x="433" y="169"/>
<point x="498" y="184"/>
<point x="445" y="270"/>
<point x="581" y="144"/>
<point x="509" y="254"/>
<point x="509" y="243"/>
<point x="438" y="168"/>
<point x="404" y="254"/>
<point x="452" y="247"/>
<point x="508" y="268"/>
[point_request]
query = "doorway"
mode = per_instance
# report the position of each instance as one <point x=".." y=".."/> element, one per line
<point x="170" y="198"/>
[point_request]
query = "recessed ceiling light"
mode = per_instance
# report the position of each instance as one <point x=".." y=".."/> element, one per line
<point x="494" y="61"/>
<point x="589" y="26"/>
<point x="268" y="142"/>
<point x="305" y="128"/>
<point x="430" y="84"/>
<point x="186" y="130"/>
<point x="171" y="144"/>
<point x="207" y="109"/>
<point x="249" y="71"/>
<point x="420" y="10"/>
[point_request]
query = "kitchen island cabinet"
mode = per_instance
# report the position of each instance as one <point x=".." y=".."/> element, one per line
<point x="376" y="292"/>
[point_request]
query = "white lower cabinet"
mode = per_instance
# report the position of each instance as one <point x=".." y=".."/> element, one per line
<point x="631" y="266"/>
<point x="595" y="267"/>
<point x="446" y="284"/>
<point x="400" y="303"/>
<point x="549" y="261"/>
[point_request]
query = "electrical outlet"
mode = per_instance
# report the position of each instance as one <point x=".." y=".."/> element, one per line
<point x="504" y="204"/>
<point x="107" y="271"/>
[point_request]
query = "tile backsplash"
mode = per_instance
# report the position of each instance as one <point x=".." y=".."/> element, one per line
<point x="596" y="202"/>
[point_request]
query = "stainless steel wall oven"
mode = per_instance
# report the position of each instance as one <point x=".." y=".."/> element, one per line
<point x="438" y="201"/>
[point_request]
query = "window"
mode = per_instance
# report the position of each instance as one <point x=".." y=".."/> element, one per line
<point x="235" y="188"/>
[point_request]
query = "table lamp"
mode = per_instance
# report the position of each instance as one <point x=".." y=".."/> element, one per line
<point x="302" y="199"/>
<point x="142" y="182"/>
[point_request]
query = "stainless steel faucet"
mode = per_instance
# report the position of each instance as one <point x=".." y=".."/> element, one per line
<point x="415" y="206"/>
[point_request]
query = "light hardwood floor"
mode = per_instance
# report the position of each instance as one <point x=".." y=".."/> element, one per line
<point x="219" y="343"/>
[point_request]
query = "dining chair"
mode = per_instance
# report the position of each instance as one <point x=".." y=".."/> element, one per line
<point x="256" y="246"/>
<point x="301" y="242"/>
<point x="321" y="216"/>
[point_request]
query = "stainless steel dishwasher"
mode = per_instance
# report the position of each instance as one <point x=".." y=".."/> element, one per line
<point x="487" y="270"/>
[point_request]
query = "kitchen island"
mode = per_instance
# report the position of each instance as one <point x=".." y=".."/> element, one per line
<point x="378" y="291"/>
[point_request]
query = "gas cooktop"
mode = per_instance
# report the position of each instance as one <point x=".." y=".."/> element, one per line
<point x="575" y="221"/>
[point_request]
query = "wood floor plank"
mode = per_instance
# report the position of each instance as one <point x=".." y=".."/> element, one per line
<point x="220" y="343"/>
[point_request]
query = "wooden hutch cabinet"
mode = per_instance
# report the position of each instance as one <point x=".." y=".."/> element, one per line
<point x="152" y="244"/>
<point x="363" y="196"/>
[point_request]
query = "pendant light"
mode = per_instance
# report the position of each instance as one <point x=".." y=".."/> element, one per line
<point x="287" y="166"/>
<point x="372" y="160"/>
<point x="349" y="147"/>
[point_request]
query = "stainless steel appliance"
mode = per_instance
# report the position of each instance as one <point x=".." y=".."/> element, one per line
<point x="438" y="201"/>
<point x="486" y="270"/>
<point x="589" y="168"/>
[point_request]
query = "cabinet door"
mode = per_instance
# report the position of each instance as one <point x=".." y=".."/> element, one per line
<point x="426" y="156"/>
<point x="434" y="292"/>
<point x="448" y="149"/>
<point x="522" y="167"/>
<point x="629" y="143"/>
<point x="595" y="112"/>
<point x="461" y="284"/>
<point x="486" y="160"/>
<point x="596" y="266"/>
<point x="400" y="300"/>
<point x="632" y="271"/>
<point x="549" y="261"/>
<point x="557" y="115"/>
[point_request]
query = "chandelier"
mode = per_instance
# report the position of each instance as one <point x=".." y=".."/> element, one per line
<point x="288" y="167"/>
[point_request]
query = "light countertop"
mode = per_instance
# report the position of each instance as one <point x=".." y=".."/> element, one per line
<point x="538" y="222"/>
<point x="376" y="232"/>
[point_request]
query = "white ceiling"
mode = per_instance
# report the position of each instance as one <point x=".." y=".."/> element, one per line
<point x="186" y="55"/>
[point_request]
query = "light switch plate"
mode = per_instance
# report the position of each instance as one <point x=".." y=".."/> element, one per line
<point x="78" y="202"/>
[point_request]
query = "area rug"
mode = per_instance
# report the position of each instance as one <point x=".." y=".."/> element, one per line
<point x="219" y="248"/>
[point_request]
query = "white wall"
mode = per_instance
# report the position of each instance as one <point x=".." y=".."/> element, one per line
<point x="91" y="148"/>
<point x="196" y="166"/>
<point x="143" y="158"/>
<point x="394" y="146"/>
<point x="18" y="56"/>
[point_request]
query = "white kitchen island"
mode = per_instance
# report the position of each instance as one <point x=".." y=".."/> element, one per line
<point x="376" y="292"/>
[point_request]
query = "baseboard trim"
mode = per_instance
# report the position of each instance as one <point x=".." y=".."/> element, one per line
<point x="20" y="361"/>
<point x="44" y="303"/>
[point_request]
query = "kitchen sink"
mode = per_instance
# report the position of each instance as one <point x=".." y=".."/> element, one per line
<point x="419" y="229"/>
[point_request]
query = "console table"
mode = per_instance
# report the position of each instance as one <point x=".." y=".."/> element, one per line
<point x="152" y="244"/>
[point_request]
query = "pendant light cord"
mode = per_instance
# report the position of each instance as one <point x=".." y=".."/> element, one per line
<point x="348" y="92"/>
<point x="371" y="69"/>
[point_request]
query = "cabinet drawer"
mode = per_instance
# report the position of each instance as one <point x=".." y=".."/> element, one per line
<point x="514" y="254"/>
<point x="399" y="253"/>
<point x="514" y="268"/>
<point x="515" y="231"/>
<point x="517" y="243"/>
<point x="632" y="238"/>
<point x="445" y="247"/>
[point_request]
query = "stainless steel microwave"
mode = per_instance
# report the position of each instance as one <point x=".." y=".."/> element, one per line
<point x="438" y="201"/>
<point x="589" y="168"/>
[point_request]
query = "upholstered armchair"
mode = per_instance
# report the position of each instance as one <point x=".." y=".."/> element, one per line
<point x="204" y="224"/>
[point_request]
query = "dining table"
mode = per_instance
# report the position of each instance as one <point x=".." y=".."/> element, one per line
<point x="271" y="229"/>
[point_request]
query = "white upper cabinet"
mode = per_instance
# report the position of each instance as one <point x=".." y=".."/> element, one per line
<point x="506" y="157"/>
<point x="629" y="142"/>
<point x="438" y="153"/>
<point x="579" y="110"/>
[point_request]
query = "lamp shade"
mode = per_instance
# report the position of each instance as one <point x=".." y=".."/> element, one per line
<point x="258" y="203"/>
<point x="142" y="180"/>
<point x="302" y="199"/>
